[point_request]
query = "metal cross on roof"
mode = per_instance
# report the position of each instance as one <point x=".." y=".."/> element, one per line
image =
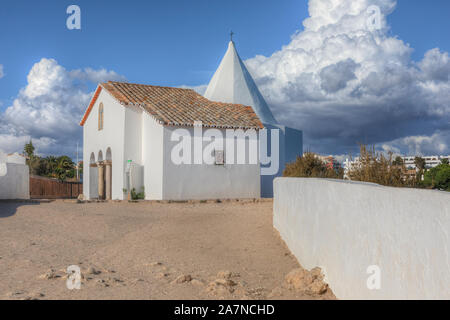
<point x="231" y="35"/>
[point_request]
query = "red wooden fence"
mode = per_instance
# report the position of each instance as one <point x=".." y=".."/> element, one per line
<point x="46" y="188"/>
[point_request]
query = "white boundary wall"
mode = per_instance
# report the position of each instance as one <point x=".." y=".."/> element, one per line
<point x="345" y="227"/>
<point x="16" y="183"/>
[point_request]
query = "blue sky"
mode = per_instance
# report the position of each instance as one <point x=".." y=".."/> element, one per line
<point x="181" y="43"/>
<point x="157" y="42"/>
<point x="174" y="42"/>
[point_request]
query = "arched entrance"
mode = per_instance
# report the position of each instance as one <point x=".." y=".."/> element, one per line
<point x="108" y="174"/>
<point x="104" y="175"/>
<point x="93" y="178"/>
<point x="101" y="175"/>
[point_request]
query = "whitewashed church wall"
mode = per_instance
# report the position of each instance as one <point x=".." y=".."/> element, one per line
<point x="137" y="178"/>
<point x="133" y="134"/>
<point x="350" y="229"/>
<point x="152" y="155"/>
<point x="290" y="147"/>
<point x="112" y="136"/>
<point x="132" y="143"/>
<point x="203" y="181"/>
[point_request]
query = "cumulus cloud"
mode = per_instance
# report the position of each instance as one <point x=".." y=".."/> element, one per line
<point x="336" y="76"/>
<point x="2" y="73"/>
<point x="49" y="108"/>
<point x="96" y="76"/>
<point x="436" y="144"/>
<point x="201" y="89"/>
<point x="342" y="81"/>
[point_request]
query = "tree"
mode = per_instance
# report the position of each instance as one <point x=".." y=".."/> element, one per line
<point x="309" y="166"/>
<point x="64" y="168"/>
<point x="444" y="161"/>
<point x="51" y="164"/>
<point x="33" y="161"/>
<point x="28" y="149"/>
<point x="420" y="163"/>
<point x="443" y="178"/>
<point x="377" y="168"/>
<point x="398" y="161"/>
<point x="55" y="167"/>
<point x="438" y="178"/>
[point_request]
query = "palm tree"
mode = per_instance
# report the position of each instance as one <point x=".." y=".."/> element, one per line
<point x="28" y="149"/>
<point x="420" y="163"/>
<point x="51" y="164"/>
<point x="64" y="167"/>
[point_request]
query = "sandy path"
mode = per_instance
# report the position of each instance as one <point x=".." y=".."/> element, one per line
<point x="140" y="249"/>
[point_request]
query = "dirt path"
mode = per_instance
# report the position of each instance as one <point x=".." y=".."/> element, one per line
<point x="146" y="251"/>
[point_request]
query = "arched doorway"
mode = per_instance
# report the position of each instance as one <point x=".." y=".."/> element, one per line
<point x="93" y="178"/>
<point x="101" y="175"/>
<point x="108" y="174"/>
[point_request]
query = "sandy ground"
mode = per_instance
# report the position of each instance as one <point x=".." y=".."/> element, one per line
<point x="145" y="251"/>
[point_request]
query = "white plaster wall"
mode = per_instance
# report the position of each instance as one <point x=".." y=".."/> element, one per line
<point x="344" y="227"/>
<point x="16" y="158"/>
<point x="112" y="136"/>
<point x="16" y="183"/>
<point x="3" y="160"/>
<point x="133" y="135"/>
<point x="152" y="157"/>
<point x="137" y="177"/>
<point x="290" y="147"/>
<point x="202" y="181"/>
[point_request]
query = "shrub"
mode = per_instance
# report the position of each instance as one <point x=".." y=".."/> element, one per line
<point x="376" y="168"/>
<point x="137" y="196"/>
<point x="309" y="166"/>
<point x="438" y="177"/>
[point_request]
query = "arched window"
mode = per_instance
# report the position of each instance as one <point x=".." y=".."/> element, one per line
<point x="100" y="117"/>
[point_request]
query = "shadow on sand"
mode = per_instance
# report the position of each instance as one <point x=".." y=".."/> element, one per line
<point x="8" y="208"/>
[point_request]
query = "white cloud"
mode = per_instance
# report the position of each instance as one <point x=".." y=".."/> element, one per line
<point x="343" y="83"/>
<point x="201" y="89"/>
<point x="96" y="76"/>
<point x="2" y="73"/>
<point x="49" y="108"/>
<point x="436" y="144"/>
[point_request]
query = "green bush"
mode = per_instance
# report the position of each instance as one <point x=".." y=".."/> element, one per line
<point x="137" y="196"/>
<point x="438" y="177"/>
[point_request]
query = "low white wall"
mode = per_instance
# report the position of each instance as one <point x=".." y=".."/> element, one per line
<point x="345" y="227"/>
<point x="16" y="183"/>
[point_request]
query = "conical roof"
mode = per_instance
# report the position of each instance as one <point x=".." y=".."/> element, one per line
<point x="232" y="83"/>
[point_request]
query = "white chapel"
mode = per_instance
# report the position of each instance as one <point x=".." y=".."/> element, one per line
<point x="134" y="136"/>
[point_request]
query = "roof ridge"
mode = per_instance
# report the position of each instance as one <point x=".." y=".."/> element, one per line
<point x="150" y="85"/>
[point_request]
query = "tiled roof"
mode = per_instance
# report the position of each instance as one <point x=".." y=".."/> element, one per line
<point x="181" y="107"/>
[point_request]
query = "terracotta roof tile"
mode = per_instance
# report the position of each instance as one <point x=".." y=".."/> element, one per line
<point x="176" y="106"/>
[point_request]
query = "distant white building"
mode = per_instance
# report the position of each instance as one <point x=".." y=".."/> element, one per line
<point x="330" y="161"/>
<point x="430" y="161"/>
